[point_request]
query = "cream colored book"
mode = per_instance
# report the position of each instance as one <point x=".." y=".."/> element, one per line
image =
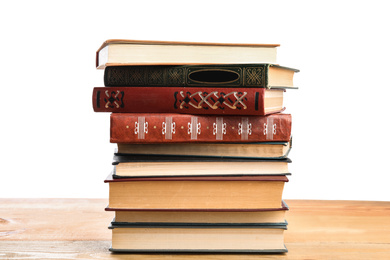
<point x="213" y="168"/>
<point x="130" y="166"/>
<point x="207" y="239"/>
<point x="115" y="52"/>
<point x="270" y="150"/>
<point x="168" y="193"/>
<point x="199" y="217"/>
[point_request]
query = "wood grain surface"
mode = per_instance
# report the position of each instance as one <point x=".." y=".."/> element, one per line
<point x="77" y="229"/>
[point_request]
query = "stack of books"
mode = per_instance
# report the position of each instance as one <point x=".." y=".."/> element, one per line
<point x="202" y="145"/>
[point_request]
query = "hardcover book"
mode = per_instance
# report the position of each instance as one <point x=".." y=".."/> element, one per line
<point x="264" y="150"/>
<point x="234" y="76"/>
<point x="201" y="239"/>
<point x="261" y="216"/>
<point x="206" y="192"/>
<point x="184" y="100"/>
<point x="135" y="52"/>
<point x="179" y="128"/>
<point x="132" y="166"/>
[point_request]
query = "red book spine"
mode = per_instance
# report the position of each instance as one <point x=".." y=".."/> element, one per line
<point x="182" y="100"/>
<point x="178" y="128"/>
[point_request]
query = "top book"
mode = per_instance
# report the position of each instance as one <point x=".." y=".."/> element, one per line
<point x="134" y="52"/>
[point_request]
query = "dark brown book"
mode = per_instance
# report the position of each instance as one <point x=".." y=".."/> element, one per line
<point x="268" y="76"/>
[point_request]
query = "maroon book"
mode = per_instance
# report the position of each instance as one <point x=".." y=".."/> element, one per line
<point x="188" y="100"/>
<point x="179" y="128"/>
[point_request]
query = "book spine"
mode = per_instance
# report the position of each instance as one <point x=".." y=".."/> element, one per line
<point x="203" y="178"/>
<point x="177" y="128"/>
<point x="254" y="75"/>
<point x="181" y="100"/>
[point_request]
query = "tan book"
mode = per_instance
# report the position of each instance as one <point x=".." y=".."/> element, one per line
<point x="200" y="217"/>
<point x="130" y="166"/>
<point x="206" y="239"/>
<point x="233" y="192"/>
<point x="270" y="150"/>
<point x="213" y="168"/>
<point x="117" y="52"/>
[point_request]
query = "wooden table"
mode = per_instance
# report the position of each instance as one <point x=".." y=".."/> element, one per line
<point x="77" y="229"/>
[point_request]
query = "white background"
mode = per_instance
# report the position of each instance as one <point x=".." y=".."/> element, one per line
<point x="54" y="145"/>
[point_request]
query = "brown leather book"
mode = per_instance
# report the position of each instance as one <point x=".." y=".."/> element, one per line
<point x="188" y="100"/>
<point x="179" y="128"/>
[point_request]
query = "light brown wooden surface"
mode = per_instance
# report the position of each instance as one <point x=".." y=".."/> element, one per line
<point x="77" y="229"/>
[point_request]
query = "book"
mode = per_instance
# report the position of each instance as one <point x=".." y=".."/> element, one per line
<point x="261" y="216"/>
<point x="181" y="128"/>
<point x="218" y="75"/>
<point x="133" y="166"/>
<point x="200" y="239"/>
<point x="206" y="192"/>
<point x="184" y="100"/>
<point x="264" y="150"/>
<point x="137" y="52"/>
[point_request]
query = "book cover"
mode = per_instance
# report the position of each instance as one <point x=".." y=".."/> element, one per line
<point x="260" y="216"/>
<point x="221" y="75"/>
<point x="259" y="150"/>
<point x="188" y="100"/>
<point x="198" y="238"/>
<point x="115" y="224"/>
<point x="131" y="158"/>
<point x="205" y="192"/>
<point x="283" y="207"/>
<point x="179" y="128"/>
<point x="116" y="52"/>
<point x="135" y="166"/>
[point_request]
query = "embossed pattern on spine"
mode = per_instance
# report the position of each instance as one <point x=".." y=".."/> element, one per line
<point x="182" y="100"/>
<point x="212" y="100"/>
<point x="244" y="75"/>
<point x="157" y="128"/>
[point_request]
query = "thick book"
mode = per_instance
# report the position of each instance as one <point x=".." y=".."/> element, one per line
<point x="263" y="150"/>
<point x="261" y="216"/>
<point x="134" y="166"/>
<point x="180" y="128"/>
<point x="136" y="52"/>
<point x="243" y="238"/>
<point x="206" y="192"/>
<point x="221" y="75"/>
<point x="188" y="100"/>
